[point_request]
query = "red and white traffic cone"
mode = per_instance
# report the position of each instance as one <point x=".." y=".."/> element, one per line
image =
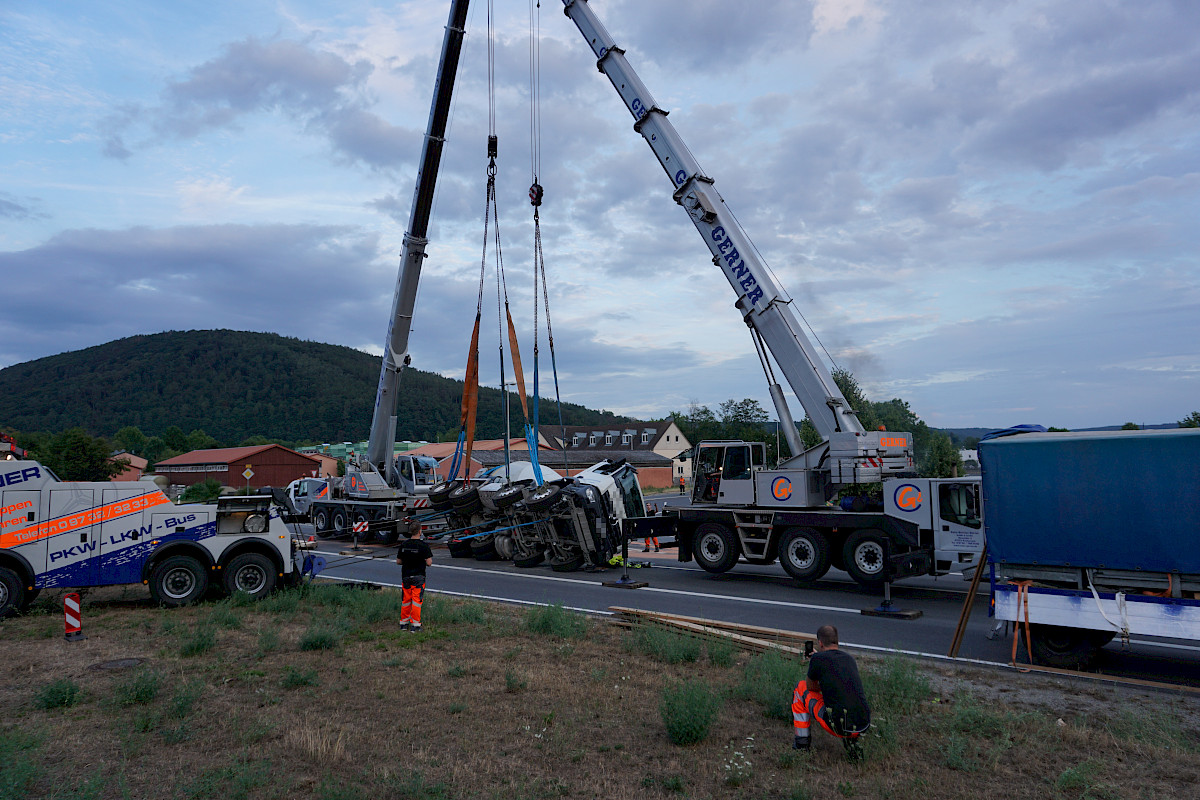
<point x="73" y="618"/>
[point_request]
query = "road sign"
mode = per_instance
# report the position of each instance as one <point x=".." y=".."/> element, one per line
<point x="248" y="473"/>
<point x="360" y="526"/>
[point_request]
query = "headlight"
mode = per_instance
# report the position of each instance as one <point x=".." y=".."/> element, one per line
<point x="255" y="523"/>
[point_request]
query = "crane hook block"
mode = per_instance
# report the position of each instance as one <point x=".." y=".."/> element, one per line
<point x="493" y="146"/>
<point x="535" y="194"/>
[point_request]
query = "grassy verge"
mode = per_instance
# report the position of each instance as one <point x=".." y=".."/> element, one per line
<point x="317" y="693"/>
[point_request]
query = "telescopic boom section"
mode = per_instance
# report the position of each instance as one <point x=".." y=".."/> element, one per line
<point x="764" y="304"/>
<point x="395" y="348"/>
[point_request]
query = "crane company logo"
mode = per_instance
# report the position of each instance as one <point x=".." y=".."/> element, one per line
<point x="732" y="259"/>
<point x="781" y="488"/>
<point x="908" y="497"/>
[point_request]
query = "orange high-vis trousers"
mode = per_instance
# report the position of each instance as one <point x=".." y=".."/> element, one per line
<point x="808" y="705"/>
<point x="410" y="608"/>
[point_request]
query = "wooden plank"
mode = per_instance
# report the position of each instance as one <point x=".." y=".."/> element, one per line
<point x="968" y="603"/>
<point x="752" y="630"/>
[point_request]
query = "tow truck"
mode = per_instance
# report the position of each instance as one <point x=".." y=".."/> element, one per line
<point x="56" y="533"/>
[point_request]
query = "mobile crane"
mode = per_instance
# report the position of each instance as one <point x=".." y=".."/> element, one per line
<point x="740" y="506"/>
<point x="381" y="489"/>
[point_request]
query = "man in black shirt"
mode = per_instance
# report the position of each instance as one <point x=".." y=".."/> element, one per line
<point x="413" y="557"/>
<point x="833" y="694"/>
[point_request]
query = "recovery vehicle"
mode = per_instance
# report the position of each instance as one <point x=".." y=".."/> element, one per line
<point x="1093" y="535"/>
<point x="740" y="506"/>
<point x="66" y="533"/>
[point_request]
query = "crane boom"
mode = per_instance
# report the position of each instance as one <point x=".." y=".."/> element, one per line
<point x="395" y="347"/>
<point x="764" y="304"/>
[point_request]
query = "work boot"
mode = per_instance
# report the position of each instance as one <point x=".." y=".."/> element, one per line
<point x="802" y="743"/>
<point x="645" y="549"/>
<point x="415" y="627"/>
<point x="405" y="626"/>
<point x="854" y="749"/>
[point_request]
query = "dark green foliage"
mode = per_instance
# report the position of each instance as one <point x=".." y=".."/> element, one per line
<point x="770" y="679"/>
<point x="74" y="455"/>
<point x="204" y="492"/>
<point x="233" y="385"/>
<point x="670" y="647"/>
<point x="18" y="768"/>
<point x="138" y="689"/>
<point x="1192" y="420"/>
<point x="556" y="621"/>
<point x="688" y="710"/>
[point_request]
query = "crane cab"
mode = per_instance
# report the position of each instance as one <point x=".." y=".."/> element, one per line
<point x="725" y="470"/>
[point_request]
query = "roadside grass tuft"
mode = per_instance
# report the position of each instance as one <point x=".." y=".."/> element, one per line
<point x="322" y="635"/>
<point x="202" y="639"/>
<point x="1162" y="729"/>
<point x="513" y="682"/>
<point x="139" y="688"/>
<point x="183" y="702"/>
<point x="62" y="693"/>
<point x="554" y="620"/>
<point x="688" y="711"/>
<point x="234" y="782"/>
<point x="414" y="787"/>
<point x="294" y="678"/>
<point x="18" y="769"/>
<point x="439" y="610"/>
<point x="769" y="680"/>
<point x="662" y="644"/>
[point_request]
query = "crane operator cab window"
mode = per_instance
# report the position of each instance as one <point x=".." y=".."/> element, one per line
<point x="406" y="470"/>
<point x="737" y="475"/>
<point x="707" y="478"/>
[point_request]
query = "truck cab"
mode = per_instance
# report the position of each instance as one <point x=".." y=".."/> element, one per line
<point x="948" y="513"/>
<point x="724" y="471"/>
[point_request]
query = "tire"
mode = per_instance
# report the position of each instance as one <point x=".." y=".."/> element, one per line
<point x="465" y="499"/>
<point x="544" y="497"/>
<point x="483" y="548"/>
<point x="804" y="554"/>
<point x="1066" y="648"/>
<point x="387" y="533"/>
<point x="250" y="573"/>
<point x="714" y="547"/>
<point x="459" y="548"/>
<point x="178" y="581"/>
<point x="320" y="519"/>
<point x="12" y="593"/>
<point x="529" y="561"/>
<point x="439" y="494"/>
<point x="569" y="565"/>
<point x="508" y="496"/>
<point x="864" y="554"/>
<point x="338" y="524"/>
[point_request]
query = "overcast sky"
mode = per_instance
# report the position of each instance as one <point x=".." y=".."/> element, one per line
<point x="989" y="209"/>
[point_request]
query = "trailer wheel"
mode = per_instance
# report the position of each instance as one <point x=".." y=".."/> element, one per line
<point x="715" y="547"/>
<point x="483" y="548"/>
<point x="250" y="573"/>
<point x="1066" y="648"/>
<point x="804" y="554"/>
<point x="544" y="497"/>
<point x="178" y="581"/>
<point x="12" y="593"/>
<point x="459" y="548"/>
<point x="320" y="519"/>
<point x="865" y="554"/>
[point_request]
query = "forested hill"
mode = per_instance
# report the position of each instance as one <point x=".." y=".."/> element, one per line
<point x="234" y="385"/>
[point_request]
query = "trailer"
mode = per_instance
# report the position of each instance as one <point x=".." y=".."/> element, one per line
<point x="1093" y="535"/>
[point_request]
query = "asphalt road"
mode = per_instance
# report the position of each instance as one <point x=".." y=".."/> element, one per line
<point x="760" y="595"/>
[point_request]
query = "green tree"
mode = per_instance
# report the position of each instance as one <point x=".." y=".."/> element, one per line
<point x="1053" y="429"/>
<point x="1131" y="426"/>
<point x="204" y="492"/>
<point x="155" y="450"/>
<point x="856" y="398"/>
<point x="131" y="440"/>
<point x="174" y="438"/>
<point x="74" y="455"/>
<point x="1192" y="420"/>
<point x="199" y="440"/>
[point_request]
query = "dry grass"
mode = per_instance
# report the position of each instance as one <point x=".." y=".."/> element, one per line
<point x="492" y="702"/>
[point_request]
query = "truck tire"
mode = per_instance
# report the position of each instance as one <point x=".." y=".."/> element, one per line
<point x="178" y="581"/>
<point x="530" y="560"/>
<point x="439" y="494"/>
<point x="545" y="496"/>
<point x="12" y="593"/>
<point x="337" y="523"/>
<point x="508" y="496"/>
<point x="250" y="573"/>
<point x="715" y="547"/>
<point x="865" y="554"/>
<point x="386" y="533"/>
<point x="465" y="499"/>
<point x="320" y="519"/>
<point x="459" y="548"/>
<point x="569" y="564"/>
<point x="1066" y="648"/>
<point x="804" y="554"/>
<point x="483" y="548"/>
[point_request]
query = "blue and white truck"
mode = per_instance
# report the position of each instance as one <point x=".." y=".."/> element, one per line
<point x="1093" y="535"/>
<point x="76" y="534"/>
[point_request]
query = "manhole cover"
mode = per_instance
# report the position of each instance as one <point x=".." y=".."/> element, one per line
<point x="120" y="663"/>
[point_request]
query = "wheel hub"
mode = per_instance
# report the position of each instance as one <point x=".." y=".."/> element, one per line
<point x="712" y="546"/>
<point x="179" y="583"/>
<point x="869" y="558"/>
<point x="250" y="579"/>
<point x="801" y="554"/>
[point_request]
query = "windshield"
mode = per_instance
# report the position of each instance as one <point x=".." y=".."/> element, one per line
<point x="631" y="492"/>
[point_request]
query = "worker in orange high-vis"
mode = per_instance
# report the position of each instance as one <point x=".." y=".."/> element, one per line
<point x="414" y="557"/>
<point x="832" y="693"/>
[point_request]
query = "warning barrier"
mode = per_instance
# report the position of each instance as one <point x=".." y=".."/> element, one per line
<point x="73" y="618"/>
<point x="361" y="526"/>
